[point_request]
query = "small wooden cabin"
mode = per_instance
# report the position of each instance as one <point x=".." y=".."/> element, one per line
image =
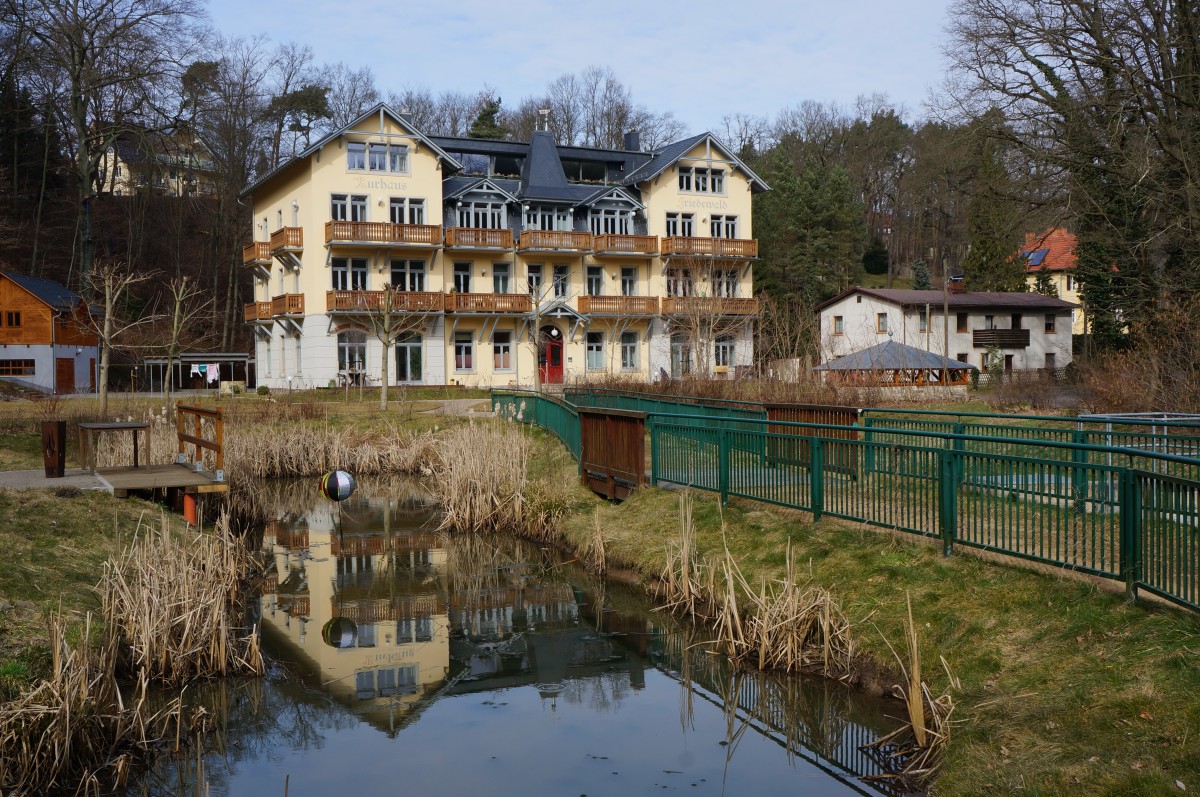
<point x="45" y="340"/>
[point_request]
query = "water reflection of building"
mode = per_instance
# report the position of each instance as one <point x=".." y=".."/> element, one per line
<point x="361" y="599"/>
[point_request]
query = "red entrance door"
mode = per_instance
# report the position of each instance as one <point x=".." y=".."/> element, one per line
<point x="550" y="363"/>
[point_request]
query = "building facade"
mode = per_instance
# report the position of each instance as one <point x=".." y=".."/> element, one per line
<point x="176" y="165"/>
<point x="45" y="340"/>
<point x="1013" y="331"/>
<point x="514" y="263"/>
<point x="1050" y="256"/>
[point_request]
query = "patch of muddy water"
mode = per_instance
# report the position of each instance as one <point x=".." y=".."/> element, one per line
<point x="407" y="661"/>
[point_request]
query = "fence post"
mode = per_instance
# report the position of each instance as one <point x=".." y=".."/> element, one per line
<point x="1079" y="476"/>
<point x="948" y="497"/>
<point x="653" y="451"/>
<point x="723" y="464"/>
<point x="868" y="449"/>
<point x="1130" y="525"/>
<point x="817" y="477"/>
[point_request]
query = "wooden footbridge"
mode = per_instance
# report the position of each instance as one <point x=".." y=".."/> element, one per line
<point x="199" y="465"/>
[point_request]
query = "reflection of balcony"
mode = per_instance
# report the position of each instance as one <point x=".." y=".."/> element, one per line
<point x="287" y="239"/>
<point x="618" y="305"/>
<point x="555" y="241"/>
<point x="349" y="233"/>
<point x="373" y="301"/>
<point x="288" y="304"/>
<point x="708" y="305"/>
<point x="633" y="245"/>
<point x="1000" y="338"/>
<point x="478" y="238"/>
<point x="378" y="610"/>
<point x="258" y="311"/>
<point x="488" y="303"/>
<point x="257" y="253"/>
<point x="732" y="248"/>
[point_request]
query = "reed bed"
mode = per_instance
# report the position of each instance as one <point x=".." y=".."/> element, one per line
<point x="75" y="732"/>
<point x="482" y="481"/>
<point x="174" y="600"/>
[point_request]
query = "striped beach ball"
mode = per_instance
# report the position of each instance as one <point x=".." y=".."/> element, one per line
<point x="337" y="485"/>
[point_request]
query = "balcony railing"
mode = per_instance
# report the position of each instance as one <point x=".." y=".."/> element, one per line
<point x="257" y="311"/>
<point x="373" y="301"/>
<point x="618" y="305"/>
<point x="378" y="232"/>
<point x="488" y="303"/>
<point x="1000" y="338"/>
<point x="287" y="239"/>
<point x="288" y="304"/>
<point x="735" y="248"/>
<point x="556" y="240"/>
<point x="256" y="252"/>
<point x="478" y="238"/>
<point x="646" y="245"/>
<point x="708" y="305"/>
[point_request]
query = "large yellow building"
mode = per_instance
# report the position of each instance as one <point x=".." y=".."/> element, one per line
<point x="516" y="262"/>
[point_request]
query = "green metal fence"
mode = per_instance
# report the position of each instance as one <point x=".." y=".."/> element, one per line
<point x="1045" y="494"/>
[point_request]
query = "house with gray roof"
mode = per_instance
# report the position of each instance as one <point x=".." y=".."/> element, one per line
<point x="46" y="342"/>
<point x="1012" y="331"/>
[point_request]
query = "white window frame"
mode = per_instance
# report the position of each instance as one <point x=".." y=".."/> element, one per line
<point x="594" y="281"/>
<point x="377" y="157"/>
<point x="464" y="347"/>
<point x="724" y="349"/>
<point x="356" y="153"/>
<point x="397" y="158"/>
<point x="533" y="279"/>
<point x="561" y="280"/>
<point x="680" y="225"/>
<point x="483" y="215"/>
<point x="538" y="216"/>
<point x="462" y="277"/>
<point x="339" y="207"/>
<point x="408" y="275"/>
<point x="359" y="207"/>
<point x="406" y="210"/>
<point x="594" y="351"/>
<point x="501" y="278"/>
<point x="629" y="281"/>
<point x="629" y="351"/>
<point x="502" y="351"/>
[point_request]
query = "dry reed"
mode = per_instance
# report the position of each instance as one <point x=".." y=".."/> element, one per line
<point x="912" y="753"/>
<point x="174" y="599"/>
<point x="75" y="732"/>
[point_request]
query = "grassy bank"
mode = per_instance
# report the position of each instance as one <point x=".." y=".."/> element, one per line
<point x="1064" y="687"/>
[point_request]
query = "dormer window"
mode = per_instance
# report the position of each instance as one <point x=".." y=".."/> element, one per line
<point x="609" y="221"/>
<point x="546" y="217"/>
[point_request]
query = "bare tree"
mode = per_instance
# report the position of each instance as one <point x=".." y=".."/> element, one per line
<point x="392" y="314"/>
<point x="419" y="104"/>
<point x="104" y="64"/>
<point x="113" y="284"/>
<point x="351" y="92"/>
<point x="190" y="308"/>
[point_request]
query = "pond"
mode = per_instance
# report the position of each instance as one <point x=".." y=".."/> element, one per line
<point x="408" y="661"/>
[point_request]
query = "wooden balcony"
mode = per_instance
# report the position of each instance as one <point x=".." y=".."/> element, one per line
<point x="555" y="241"/>
<point x="373" y="301"/>
<point x="257" y="311"/>
<point x="287" y="239"/>
<point x="627" y="245"/>
<point x="288" y="304"/>
<point x="728" y="248"/>
<point x="618" y="305"/>
<point x="1000" y="338"/>
<point x="488" y="303"/>
<point x="374" y="233"/>
<point x="708" y="305"/>
<point x="256" y="253"/>
<point x="478" y="238"/>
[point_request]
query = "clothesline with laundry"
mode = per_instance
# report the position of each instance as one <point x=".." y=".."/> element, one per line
<point x="211" y="372"/>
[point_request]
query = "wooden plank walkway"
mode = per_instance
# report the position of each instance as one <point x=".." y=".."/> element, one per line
<point x="120" y="481"/>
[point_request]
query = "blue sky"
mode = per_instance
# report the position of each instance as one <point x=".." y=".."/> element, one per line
<point x="700" y="60"/>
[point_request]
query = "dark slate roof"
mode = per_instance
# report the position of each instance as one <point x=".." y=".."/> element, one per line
<point x="890" y="355"/>
<point x="542" y="175"/>
<point x="964" y="300"/>
<point x="665" y="156"/>
<point x="49" y="291"/>
<point x="454" y="187"/>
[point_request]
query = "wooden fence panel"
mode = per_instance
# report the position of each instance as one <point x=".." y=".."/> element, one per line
<point x="612" y="451"/>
